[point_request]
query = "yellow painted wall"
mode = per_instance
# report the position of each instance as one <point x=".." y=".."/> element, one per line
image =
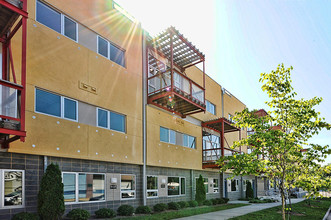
<point x="169" y="155"/>
<point x="57" y="63"/>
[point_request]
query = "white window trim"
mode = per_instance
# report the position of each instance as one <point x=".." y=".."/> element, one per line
<point x="62" y="108"/>
<point x="2" y="185"/>
<point x="62" y="21"/>
<point x="210" y="103"/>
<point x="97" y="121"/>
<point x="98" y="36"/>
<point x="62" y="27"/>
<point x="175" y="136"/>
<point x="218" y="182"/>
<point x="61" y="105"/>
<point x="237" y="185"/>
<point x="108" y="121"/>
<point x="180" y="184"/>
<point x="77" y="187"/>
<point x="152" y="190"/>
<point x="135" y="180"/>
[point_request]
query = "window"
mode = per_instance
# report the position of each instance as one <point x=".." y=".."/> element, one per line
<point x="70" y="28"/>
<point x="128" y="188"/>
<point x="56" y="105"/>
<point x="57" y="21"/>
<point x="210" y="107"/>
<point x="83" y="187"/>
<point x="215" y="183"/>
<point x="234" y="185"/>
<point x="164" y="134"/>
<point x="152" y="186"/>
<point x="110" y="51"/>
<point x="205" y="182"/>
<point x="176" y="186"/>
<point x="169" y="136"/>
<point x="48" y="17"/>
<point x="12" y="182"/>
<point x="110" y="120"/>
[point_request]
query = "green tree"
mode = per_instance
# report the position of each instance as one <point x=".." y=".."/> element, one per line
<point x="50" y="196"/>
<point x="200" y="194"/>
<point x="249" y="190"/>
<point x="288" y="156"/>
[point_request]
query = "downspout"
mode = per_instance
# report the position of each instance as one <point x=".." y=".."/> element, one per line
<point x="222" y="100"/>
<point x="144" y="101"/>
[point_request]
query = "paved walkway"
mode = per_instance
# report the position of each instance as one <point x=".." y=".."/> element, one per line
<point x="230" y="213"/>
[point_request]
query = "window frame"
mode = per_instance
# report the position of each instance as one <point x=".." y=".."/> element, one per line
<point x="135" y="188"/>
<point x="218" y="183"/>
<point x="208" y="103"/>
<point x="63" y="27"/>
<point x="2" y="189"/>
<point x="62" y="16"/>
<point x="77" y="187"/>
<point x="152" y="190"/>
<point x="183" y="137"/>
<point x="108" y="120"/>
<point x="108" y="50"/>
<point x="61" y="105"/>
<point x="179" y="187"/>
<point x="236" y="185"/>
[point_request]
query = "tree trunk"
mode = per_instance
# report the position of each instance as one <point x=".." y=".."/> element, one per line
<point x="283" y="205"/>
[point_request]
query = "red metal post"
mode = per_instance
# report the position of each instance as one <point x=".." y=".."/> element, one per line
<point x="222" y="137"/>
<point x="171" y="61"/>
<point x="4" y="61"/>
<point x="204" y="83"/>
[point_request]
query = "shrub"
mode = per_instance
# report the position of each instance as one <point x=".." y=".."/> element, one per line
<point x="50" y="197"/>
<point x="143" y="210"/>
<point x="183" y="204"/>
<point x="160" y="207"/>
<point x="249" y="190"/>
<point x="225" y="200"/>
<point x="173" y="206"/>
<point x="214" y="201"/>
<point x="208" y="202"/>
<point x="105" y="213"/>
<point x="25" y="216"/>
<point x="125" y="210"/>
<point x="78" y="214"/>
<point x="200" y="195"/>
<point x="193" y="203"/>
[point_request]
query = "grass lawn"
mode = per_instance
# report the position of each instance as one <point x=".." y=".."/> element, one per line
<point x="186" y="212"/>
<point x="302" y="210"/>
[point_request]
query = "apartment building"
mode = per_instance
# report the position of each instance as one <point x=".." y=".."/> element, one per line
<point x="129" y="119"/>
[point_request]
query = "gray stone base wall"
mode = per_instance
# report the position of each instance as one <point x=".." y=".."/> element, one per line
<point x="33" y="167"/>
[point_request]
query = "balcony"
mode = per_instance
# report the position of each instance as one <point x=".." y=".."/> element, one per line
<point x="214" y="146"/>
<point x="169" y="87"/>
<point x="13" y="16"/>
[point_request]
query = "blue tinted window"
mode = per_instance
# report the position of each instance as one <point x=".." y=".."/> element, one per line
<point x="116" y="55"/>
<point x="172" y="137"/>
<point x="48" y="17"/>
<point x="70" y="28"/>
<point x="191" y="141"/>
<point x="164" y="134"/>
<point x="117" y="122"/>
<point x="102" y="47"/>
<point x="70" y="109"/>
<point x="185" y="140"/>
<point x="102" y="118"/>
<point x="48" y="103"/>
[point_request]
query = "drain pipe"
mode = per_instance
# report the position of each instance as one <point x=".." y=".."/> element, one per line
<point x="144" y="100"/>
<point x="222" y="174"/>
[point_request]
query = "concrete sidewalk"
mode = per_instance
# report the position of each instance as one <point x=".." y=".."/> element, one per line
<point x="230" y="213"/>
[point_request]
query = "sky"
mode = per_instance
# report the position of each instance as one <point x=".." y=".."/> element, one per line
<point x="242" y="39"/>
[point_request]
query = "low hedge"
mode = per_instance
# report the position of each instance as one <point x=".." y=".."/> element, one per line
<point x="173" y="206"/>
<point x="125" y="210"/>
<point x="160" y="207"/>
<point x="143" y="210"/>
<point x="105" y="213"/>
<point x="78" y="214"/>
